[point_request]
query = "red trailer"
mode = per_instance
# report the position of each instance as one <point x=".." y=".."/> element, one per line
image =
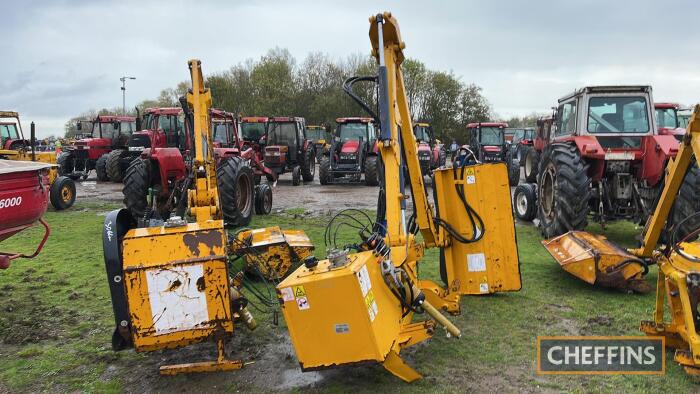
<point x="24" y="195"/>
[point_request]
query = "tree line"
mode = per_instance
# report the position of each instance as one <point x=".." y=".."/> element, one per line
<point x="278" y="85"/>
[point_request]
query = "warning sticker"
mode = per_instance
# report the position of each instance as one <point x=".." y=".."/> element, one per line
<point x="303" y="303"/>
<point x="363" y="279"/>
<point x="371" y="304"/>
<point x="484" y="287"/>
<point x="299" y="291"/>
<point x="287" y="294"/>
<point x="476" y="262"/>
<point x="471" y="177"/>
<point x="342" y="328"/>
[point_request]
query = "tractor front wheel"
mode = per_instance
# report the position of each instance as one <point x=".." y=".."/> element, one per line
<point x="236" y="191"/>
<point x="513" y="170"/>
<point x="563" y="190"/>
<point x="296" y="176"/>
<point x="324" y="170"/>
<point x="371" y="173"/>
<point x="101" y="168"/>
<point x="114" y="169"/>
<point x="525" y="202"/>
<point x="263" y="199"/>
<point x="137" y="181"/>
<point x="65" y="163"/>
<point x="308" y="167"/>
<point x="62" y="193"/>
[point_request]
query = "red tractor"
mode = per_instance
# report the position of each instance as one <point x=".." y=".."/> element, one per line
<point x="287" y="148"/>
<point x="667" y="120"/>
<point x="108" y="132"/>
<point x="353" y="153"/>
<point x="156" y="183"/>
<point x="431" y="152"/>
<point x="602" y="156"/>
<point x="487" y="141"/>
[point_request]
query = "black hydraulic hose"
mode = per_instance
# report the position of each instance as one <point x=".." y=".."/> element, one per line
<point x="347" y="87"/>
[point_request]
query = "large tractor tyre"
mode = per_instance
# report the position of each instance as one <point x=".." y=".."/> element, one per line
<point x="308" y="167"/>
<point x="686" y="205"/>
<point x="137" y="181"/>
<point x="563" y="190"/>
<point x="263" y="199"/>
<point x="236" y="191"/>
<point x="372" y="171"/>
<point x="101" y="168"/>
<point x="324" y="170"/>
<point x="525" y="202"/>
<point x="65" y="163"/>
<point x="296" y="176"/>
<point x="513" y="170"/>
<point x="62" y="193"/>
<point x="114" y="169"/>
<point x="531" y="164"/>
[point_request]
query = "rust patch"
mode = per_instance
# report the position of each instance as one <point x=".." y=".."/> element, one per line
<point x="210" y="238"/>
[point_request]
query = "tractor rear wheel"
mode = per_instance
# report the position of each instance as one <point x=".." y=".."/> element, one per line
<point x="101" y="168"/>
<point x="525" y="202"/>
<point x="263" y="199"/>
<point x="137" y="181"/>
<point x="371" y="171"/>
<point x="296" y="176"/>
<point x="236" y="191"/>
<point x="531" y="164"/>
<point x="563" y="190"/>
<point x="686" y="205"/>
<point x="324" y="170"/>
<point x="308" y="167"/>
<point x="62" y="193"/>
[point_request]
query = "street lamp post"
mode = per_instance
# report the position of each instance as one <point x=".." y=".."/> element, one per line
<point x="123" y="79"/>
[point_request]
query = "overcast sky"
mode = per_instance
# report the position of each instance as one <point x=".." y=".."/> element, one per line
<point x="61" y="58"/>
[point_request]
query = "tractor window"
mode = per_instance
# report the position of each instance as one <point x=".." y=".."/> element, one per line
<point x="314" y="134"/>
<point x="421" y="133"/>
<point x="666" y="118"/>
<point x="491" y="136"/>
<point x="352" y="131"/>
<point x="252" y="131"/>
<point x="371" y="131"/>
<point x="617" y="115"/>
<point x="128" y="127"/>
<point x="519" y="134"/>
<point x="107" y="128"/>
<point x="9" y="131"/>
<point x="220" y="132"/>
<point x="566" y="119"/>
<point x="282" y="134"/>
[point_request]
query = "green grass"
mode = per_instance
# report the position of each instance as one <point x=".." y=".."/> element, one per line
<point x="56" y="323"/>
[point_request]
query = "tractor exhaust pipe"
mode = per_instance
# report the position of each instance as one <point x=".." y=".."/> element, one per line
<point x="32" y="139"/>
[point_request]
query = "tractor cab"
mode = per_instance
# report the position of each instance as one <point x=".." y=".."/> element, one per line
<point x="431" y="153"/>
<point x="487" y="141"/>
<point x="106" y="134"/>
<point x="319" y="136"/>
<point x="287" y="148"/>
<point x="252" y="129"/>
<point x="667" y="121"/>
<point x="11" y="137"/>
<point x="224" y="129"/>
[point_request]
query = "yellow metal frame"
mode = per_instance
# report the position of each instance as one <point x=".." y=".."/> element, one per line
<point x="672" y="283"/>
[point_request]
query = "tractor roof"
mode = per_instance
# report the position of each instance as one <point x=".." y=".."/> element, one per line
<point x="164" y="111"/>
<point x="608" y="89"/>
<point x="220" y="114"/>
<point x="667" y="105"/>
<point x="114" y="118"/>
<point x="254" y="119"/>
<point x="487" y="124"/>
<point x="282" y="119"/>
<point x="354" y="120"/>
<point x="422" y="124"/>
<point x="314" y="127"/>
<point x="9" y="114"/>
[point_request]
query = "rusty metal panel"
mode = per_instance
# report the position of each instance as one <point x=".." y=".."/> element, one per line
<point x="177" y="284"/>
